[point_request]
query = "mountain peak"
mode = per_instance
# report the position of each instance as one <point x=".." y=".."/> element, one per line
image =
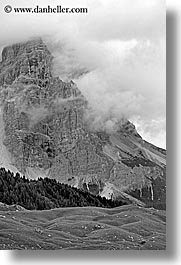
<point x="11" y="52"/>
<point x="31" y="59"/>
<point x="44" y="130"/>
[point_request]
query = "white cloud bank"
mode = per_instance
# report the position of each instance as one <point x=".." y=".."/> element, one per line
<point x="119" y="49"/>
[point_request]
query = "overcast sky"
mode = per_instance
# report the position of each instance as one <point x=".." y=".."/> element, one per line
<point x="119" y="44"/>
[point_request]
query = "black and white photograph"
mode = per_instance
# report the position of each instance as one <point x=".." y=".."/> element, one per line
<point x="83" y="125"/>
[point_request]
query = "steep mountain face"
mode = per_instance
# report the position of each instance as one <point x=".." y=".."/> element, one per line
<point x="43" y="133"/>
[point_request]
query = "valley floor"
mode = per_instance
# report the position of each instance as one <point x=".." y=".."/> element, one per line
<point x="86" y="228"/>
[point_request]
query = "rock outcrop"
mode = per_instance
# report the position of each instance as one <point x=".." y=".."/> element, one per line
<point x="45" y="133"/>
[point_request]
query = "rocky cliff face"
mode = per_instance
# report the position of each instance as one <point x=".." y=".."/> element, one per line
<point x="45" y="134"/>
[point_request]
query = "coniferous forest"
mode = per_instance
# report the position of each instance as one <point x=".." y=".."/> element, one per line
<point x="46" y="193"/>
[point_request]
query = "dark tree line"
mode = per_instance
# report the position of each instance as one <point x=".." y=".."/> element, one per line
<point x="46" y="193"/>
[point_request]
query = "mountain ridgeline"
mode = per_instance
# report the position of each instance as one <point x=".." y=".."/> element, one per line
<point x="44" y="135"/>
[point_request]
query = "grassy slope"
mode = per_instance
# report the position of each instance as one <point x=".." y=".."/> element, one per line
<point x="125" y="227"/>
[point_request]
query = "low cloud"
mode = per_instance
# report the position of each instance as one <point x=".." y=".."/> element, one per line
<point x="36" y="114"/>
<point x="120" y="79"/>
<point x="115" y="54"/>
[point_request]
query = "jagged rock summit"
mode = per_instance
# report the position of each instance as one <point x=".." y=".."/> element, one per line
<point x="43" y="133"/>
